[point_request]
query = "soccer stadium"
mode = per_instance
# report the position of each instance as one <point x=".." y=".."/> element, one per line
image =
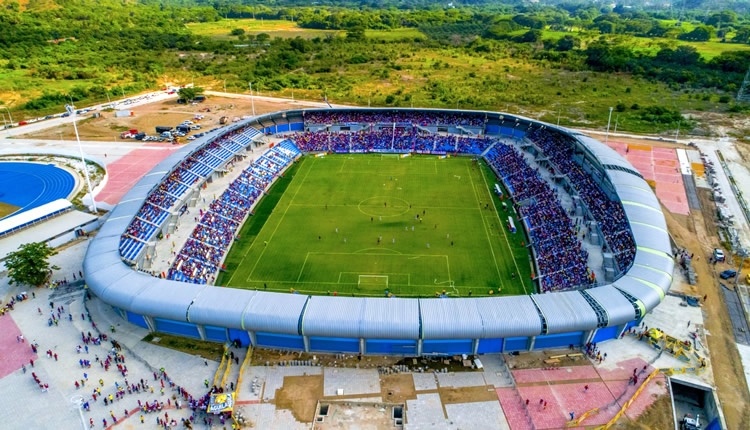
<point x="387" y="231"/>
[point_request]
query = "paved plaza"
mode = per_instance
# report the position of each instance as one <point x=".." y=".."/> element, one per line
<point x="452" y="400"/>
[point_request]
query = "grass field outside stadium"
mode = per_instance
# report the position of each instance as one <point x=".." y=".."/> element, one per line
<point x="364" y="224"/>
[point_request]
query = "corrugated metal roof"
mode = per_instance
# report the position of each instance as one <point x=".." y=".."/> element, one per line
<point x="658" y="278"/>
<point x="508" y="316"/>
<point x="333" y="316"/>
<point x="392" y="318"/>
<point x="651" y="238"/>
<point x="655" y="261"/>
<point x="274" y="312"/>
<point x="649" y="296"/>
<point x="639" y="196"/>
<point x="641" y="215"/>
<point x="450" y="319"/>
<point x="221" y="307"/>
<point x="566" y="311"/>
<point x="627" y="180"/>
<point x="619" y="310"/>
<point x="165" y="299"/>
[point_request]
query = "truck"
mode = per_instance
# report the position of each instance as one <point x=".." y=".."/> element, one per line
<point x="128" y="134"/>
<point x="161" y="129"/>
<point x="183" y="128"/>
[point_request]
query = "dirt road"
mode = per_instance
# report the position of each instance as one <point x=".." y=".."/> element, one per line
<point x="729" y="377"/>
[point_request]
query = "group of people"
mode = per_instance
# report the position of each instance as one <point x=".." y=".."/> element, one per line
<point x="389" y="117"/>
<point x="406" y="139"/>
<point x="200" y="257"/>
<point x="608" y="213"/>
<point x="561" y="260"/>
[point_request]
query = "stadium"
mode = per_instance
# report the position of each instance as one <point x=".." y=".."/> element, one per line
<point x="554" y="240"/>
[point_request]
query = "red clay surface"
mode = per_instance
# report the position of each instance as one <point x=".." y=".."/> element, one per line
<point x="125" y="172"/>
<point x="661" y="166"/>
<point x="563" y="390"/>
<point x="13" y="354"/>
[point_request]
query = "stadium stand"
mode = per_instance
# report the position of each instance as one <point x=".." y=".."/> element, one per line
<point x="399" y="325"/>
<point x="419" y="118"/>
<point x="609" y="214"/>
<point x="198" y="261"/>
<point x="560" y="259"/>
<point x="192" y="170"/>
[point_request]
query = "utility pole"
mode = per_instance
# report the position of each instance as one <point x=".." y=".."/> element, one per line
<point x="559" y="111"/>
<point x="225" y="85"/>
<point x="606" y="136"/>
<point x="617" y="118"/>
<point x="742" y="253"/>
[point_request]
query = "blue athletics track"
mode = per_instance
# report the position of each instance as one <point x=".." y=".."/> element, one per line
<point x="24" y="186"/>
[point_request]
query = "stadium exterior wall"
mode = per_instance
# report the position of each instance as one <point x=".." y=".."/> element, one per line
<point x="392" y="326"/>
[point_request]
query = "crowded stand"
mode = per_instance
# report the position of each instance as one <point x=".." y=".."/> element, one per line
<point x="375" y="117"/>
<point x="398" y="140"/>
<point x="609" y="214"/>
<point x="195" y="167"/>
<point x="201" y="256"/>
<point x="561" y="260"/>
<point x="140" y="230"/>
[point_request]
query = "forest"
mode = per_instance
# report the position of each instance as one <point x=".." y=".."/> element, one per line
<point x="559" y="61"/>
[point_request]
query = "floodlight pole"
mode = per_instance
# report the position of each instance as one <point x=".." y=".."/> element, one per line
<point x="9" y="115"/>
<point x="73" y="113"/>
<point x="252" y="99"/>
<point x="606" y="137"/>
<point x="5" y="123"/>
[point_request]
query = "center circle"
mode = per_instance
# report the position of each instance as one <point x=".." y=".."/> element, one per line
<point x="383" y="206"/>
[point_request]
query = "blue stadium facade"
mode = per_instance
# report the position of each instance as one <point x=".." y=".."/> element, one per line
<point x="388" y="325"/>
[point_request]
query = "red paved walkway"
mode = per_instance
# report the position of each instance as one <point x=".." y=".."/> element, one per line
<point x="13" y="354"/>
<point x="662" y="167"/>
<point x="125" y="172"/>
<point x="563" y="397"/>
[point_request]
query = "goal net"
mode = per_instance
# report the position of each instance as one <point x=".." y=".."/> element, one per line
<point x="373" y="280"/>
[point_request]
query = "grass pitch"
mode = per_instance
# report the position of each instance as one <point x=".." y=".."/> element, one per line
<point x="363" y="224"/>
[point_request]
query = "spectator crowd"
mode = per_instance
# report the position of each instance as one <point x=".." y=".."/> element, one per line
<point x="200" y="257"/>
<point x="561" y="260"/>
<point x="609" y="214"/>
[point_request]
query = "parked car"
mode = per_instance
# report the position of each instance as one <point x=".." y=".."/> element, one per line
<point x="191" y="138"/>
<point x="728" y="274"/>
<point x="195" y="127"/>
<point x="719" y="254"/>
<point x="188" y="122"/>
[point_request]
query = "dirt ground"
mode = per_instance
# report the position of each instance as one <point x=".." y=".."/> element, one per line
<point x="693" y="234"/>
<point x="300" y="395"/>
<point x="656" y="417"/>
<point x="397" y="388"/>
<point x="166" y="113"/>
<point x="485" y="393"/>
<point x="262" y="355"/>
<point x="535" y="359"/>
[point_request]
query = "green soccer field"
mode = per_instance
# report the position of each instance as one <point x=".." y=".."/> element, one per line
<point x="364" y="224"/>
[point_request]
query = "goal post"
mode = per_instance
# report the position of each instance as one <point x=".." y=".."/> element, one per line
<point x="373" y="281"/>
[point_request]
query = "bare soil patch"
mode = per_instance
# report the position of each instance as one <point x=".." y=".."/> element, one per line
<point x="397" y="388"/>
<point x="300" y="395"/>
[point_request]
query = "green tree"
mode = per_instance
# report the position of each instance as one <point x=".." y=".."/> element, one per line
<point x="567" y="43"/>
<point x="189" y="93"/>
<point x="701" y="33"/>
<point x="238" y="31"/>
<point x="29" y="265"/>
